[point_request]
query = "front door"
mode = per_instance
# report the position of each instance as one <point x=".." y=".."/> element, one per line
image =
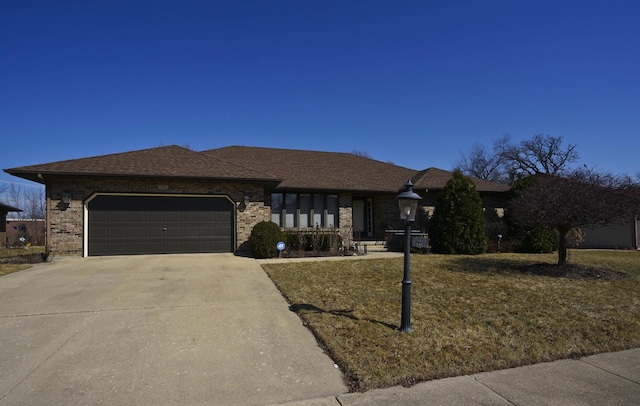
<point x="362" y="218"/>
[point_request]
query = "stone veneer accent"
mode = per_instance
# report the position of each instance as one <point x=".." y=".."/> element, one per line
<point x="345" y="217"/>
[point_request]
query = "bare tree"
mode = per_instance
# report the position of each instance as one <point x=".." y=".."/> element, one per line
<point x="482" y="164"/>
<point x="583" y="197"/>
<point x="359" y="153"/>
<point x="28" y="198"/>
<point x="507" y="162"/>
<point x="541" y="154"/>
<point x="14" y="195"/>
<point x="33" y="207"/>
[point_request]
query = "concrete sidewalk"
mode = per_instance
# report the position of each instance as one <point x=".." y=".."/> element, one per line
<point x="604" y="379"/>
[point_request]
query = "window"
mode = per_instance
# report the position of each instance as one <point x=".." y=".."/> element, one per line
<point x="332" y="211"/>
<point x="305" y="211"/>
<point x="276" y="207"/>
<point x="290" y="210"/>
<point x="318" y="210"/>
<point x="293" y="210"/>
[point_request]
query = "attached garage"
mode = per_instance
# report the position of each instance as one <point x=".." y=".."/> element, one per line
<point x="152" y="224"/>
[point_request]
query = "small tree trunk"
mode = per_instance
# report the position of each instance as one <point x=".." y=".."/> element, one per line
<point x="562" y="245"/>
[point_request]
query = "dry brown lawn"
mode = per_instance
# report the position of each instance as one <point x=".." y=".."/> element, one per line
<point x="469" y="313"/>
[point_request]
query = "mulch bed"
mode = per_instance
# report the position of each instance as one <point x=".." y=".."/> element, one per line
<point x="572" y="271"/>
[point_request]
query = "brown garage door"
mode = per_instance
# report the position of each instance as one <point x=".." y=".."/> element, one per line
<point x="125" y="225"/>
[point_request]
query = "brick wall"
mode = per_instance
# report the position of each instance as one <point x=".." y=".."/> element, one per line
<point x="65" y="235"/>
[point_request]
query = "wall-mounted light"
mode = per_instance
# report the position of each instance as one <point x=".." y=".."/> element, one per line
<point x="66" y="198"/>
<point x="246" y="200"/>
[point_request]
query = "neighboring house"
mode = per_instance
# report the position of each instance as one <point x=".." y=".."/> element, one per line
<point x="30" y="230"/>
<point x="623" y="235"/>
<point x="4" y="210"/>
<point x="173" y="200"/>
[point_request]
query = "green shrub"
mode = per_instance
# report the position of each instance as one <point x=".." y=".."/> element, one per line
<point x="264" y="239"/>
<point x="539" y="241"/>
<point x="457" y="225"/>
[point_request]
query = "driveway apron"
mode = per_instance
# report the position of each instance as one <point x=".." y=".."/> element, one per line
<point x="163" y="329"/>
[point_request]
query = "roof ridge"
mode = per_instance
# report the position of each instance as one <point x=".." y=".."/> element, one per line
<point x="246" y="147"/>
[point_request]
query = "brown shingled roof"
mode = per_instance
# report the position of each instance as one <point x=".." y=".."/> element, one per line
<point x="435" y="179"/>
<point x="300" y="169"/>
<point x="171" y="161"/>
<point x="288" y="168"/>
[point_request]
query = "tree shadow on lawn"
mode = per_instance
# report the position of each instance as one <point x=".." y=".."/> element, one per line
<point x="506" y="266"/>
<point x="297" y="308"/>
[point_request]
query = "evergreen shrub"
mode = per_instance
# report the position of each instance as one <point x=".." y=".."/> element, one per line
<point x="264" y="239"/>
<point x="457" y="225"/>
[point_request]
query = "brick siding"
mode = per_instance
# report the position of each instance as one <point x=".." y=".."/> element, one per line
<point x="66" y="224"/>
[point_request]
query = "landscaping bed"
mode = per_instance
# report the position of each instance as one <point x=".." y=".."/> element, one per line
<point x="469" y="313"/>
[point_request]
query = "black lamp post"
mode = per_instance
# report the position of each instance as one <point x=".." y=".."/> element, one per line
<point x="408" y="202"/>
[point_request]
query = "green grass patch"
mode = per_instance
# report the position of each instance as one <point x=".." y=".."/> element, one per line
<point x="17" y="259"/>
<point x="469" y="313"/>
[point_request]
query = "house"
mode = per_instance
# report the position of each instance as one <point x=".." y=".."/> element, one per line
<point x="25" y="232"/>
<point x="173" y="200"/>
<point x="622" y="235"/>
<point x="4" y="210"/>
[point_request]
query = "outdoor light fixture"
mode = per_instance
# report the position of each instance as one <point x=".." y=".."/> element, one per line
<point x="246" y="200"/>
<point x="408" y="203"/>
<point x="66" y="198"/>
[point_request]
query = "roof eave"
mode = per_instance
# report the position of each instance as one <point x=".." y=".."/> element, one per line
<point x="40" y="176"/>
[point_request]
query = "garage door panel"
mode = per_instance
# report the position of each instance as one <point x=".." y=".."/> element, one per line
<point x="207" y="232"/>
<point x="191" y="232"/>
<point x="154" y="217"/>
<point x="173" y="232"/>
<point x="137" y="217"/>
<point x="191" y="217"/>
<point x="118" y="232"/>
<point x="137" y="232"/>
<point x="159" y="224"/>
<point x="206" y="216"/>
<point x="155" y="232"/>
<point x="171" y="217"/>
<point x="118" y="217"/>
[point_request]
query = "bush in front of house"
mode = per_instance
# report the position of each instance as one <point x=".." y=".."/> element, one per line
<point x="457" y="225"/>
<point x="313" y="240"/>
<point x="539" y="241"/>
<point x="264" y="239"/>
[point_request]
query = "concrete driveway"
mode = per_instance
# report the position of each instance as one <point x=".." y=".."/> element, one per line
<point x="155" y="330"/>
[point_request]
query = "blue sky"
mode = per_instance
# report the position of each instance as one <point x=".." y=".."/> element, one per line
<point x="415" y="83"/>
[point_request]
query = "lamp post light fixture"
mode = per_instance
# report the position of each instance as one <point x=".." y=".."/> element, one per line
<point x="408" y="203"/>
<point x="66" y="198"/>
